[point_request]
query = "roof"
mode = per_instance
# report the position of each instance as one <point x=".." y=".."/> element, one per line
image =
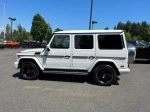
<point x="89" y="31"/>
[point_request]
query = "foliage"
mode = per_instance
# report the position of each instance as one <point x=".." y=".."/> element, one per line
<point x="20" y="34"/>
<point x="1" y="34"/>
<point x="39" y="28"/>
<point x="135" y="30"/>
<point x="106" y="28"/>
<point x="128" y="35"/>
<point x="48" y="33"/>
<point x="57" y="29"/>
<point x="8" y="32"/>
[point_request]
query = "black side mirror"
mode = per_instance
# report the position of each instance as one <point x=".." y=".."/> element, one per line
<point x="48" y="49"/>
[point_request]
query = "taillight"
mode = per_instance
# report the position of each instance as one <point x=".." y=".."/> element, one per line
<point x="122" y="66"/>
<point x="18" y="56"/>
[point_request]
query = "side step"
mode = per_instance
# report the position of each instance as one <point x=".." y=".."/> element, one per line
<point x="67" y="72"/>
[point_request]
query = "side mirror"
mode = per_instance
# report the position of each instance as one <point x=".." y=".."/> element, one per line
<point x="47" y="47"/>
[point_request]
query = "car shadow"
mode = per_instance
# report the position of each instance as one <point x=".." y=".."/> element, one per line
<point x="18" y="75"/>
<point x="66" y="78"/>
<point x="141" y="62"/>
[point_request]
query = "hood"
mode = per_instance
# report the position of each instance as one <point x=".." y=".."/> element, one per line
<point x="32" y="50"/>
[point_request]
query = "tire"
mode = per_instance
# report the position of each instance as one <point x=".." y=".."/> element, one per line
<point x="104" y="75"/>
<point x="29" y="70"/>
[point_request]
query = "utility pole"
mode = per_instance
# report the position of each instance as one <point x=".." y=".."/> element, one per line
<point x="12" y="19"/>
<point x="90" y="22"/>
<point x="4" y="19"/>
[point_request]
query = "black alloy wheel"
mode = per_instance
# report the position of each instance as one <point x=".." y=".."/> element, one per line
<point x="104" y="75"/>
<point x="29" y="70"/>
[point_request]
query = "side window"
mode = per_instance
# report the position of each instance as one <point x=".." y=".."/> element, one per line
<point x="140" y="44"/>
<point x="110" y="42"/>
<point x="132" y="42"/>
<point x="83" y="41"/>
<point x="61" y="42"/>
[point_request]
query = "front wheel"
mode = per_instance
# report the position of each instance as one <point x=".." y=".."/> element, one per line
<point x="29" y="70"/>
<point x="104" y="75"/>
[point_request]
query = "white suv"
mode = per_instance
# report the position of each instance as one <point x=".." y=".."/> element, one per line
<point x="101" y="53"/>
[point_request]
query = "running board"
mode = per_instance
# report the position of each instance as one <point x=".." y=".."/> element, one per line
<point x="64" y="72"/>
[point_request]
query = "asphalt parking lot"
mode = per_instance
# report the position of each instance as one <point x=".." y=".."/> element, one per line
<point x="62" y="93"/>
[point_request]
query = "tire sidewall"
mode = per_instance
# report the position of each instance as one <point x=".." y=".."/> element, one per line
<point x="36" y="70"/>
<point x="96" y="77"/>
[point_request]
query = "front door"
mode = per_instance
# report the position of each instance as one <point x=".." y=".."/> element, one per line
<point x="83" y="54"/>
<point x="59" y="56"/>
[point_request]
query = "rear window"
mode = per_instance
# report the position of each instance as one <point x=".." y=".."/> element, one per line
<point x="132" y="42"/>
<point x="110" y="42"/>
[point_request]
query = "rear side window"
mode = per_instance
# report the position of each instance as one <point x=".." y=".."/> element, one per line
<point x="83" y="41"/>
<point x="110" y="42"/>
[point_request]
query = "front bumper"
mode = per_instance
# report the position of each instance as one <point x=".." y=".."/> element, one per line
<point x="16" y="65"/>
<point x="124" y="71"/>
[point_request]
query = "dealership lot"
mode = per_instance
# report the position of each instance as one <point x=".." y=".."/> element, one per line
<point x="63" y="93"/>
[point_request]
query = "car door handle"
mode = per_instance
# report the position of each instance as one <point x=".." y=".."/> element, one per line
<point x="91" y="57"/>
<point x="67" y="57"/>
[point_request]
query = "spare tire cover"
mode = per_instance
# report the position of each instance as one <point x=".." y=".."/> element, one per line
<point x="131" y="53"/>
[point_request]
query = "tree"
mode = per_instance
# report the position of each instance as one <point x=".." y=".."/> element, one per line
<point x="115" y="27"/>
<point x="20" y="34"/>
<point x="8" y="32"/>
<point x="57" y="29"/>
<point x="39" y="28"/>
<point x="128" y="35"/>
<point x="135" y="30"/>
<point x="145" y="34"/>
<point x="128" y="26"/>
<point x="106" y="28"/>
<point x="49" y="32"/>
<point x="120" y="26"/>
<point x="1" y="34"/>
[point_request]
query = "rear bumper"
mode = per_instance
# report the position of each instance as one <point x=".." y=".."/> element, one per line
<point x="16" y="65"/>
<point x="124" y="71"/>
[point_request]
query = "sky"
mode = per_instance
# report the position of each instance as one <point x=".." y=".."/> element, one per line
<point x="74" y="14"/>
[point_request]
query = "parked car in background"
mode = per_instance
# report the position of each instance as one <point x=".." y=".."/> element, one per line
<point x="43" y="45"/>
<point x="34" y="44"/>
<point x="142" y="49"/>
<point x="11" y="44"/>
<point x="25" y="44"/>
<point x="1" y="45"/>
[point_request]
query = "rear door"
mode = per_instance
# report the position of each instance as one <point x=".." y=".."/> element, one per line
<point x="144" y="50"/>
<point x="112" y="46"/>
<point x="83" y="53"/>
<point x="140" y="51"/>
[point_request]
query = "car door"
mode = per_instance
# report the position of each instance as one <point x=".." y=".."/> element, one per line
<point x="59" y="56"/>
<point x="141" y="51"/>
<point x="83" y="53"/>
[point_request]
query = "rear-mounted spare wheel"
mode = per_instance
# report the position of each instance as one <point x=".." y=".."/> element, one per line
<point x="131" y="53"/>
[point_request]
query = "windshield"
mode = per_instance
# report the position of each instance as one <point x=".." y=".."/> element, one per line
<point x="144" y="43"/>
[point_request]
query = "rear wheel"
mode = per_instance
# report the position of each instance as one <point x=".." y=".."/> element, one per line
<point x="29" y="70"/>
<point x="104" y="75"/>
